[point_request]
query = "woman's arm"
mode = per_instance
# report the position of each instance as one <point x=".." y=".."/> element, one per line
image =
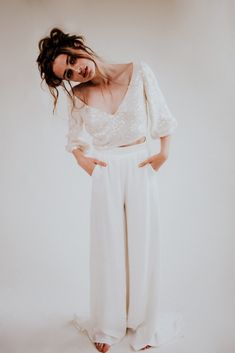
<point x="78" y="153"/>
<point x="165" y="145"/>
<point x="158" y="159"/>
<point x="161" y="121"/>
<point x="87" y="163"/>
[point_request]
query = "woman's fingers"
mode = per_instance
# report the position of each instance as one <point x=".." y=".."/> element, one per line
<point x="89" y="164"/>
<point x="156" y="161"/>
<point x="97" y="161"/>
<point x="146" y="161"/>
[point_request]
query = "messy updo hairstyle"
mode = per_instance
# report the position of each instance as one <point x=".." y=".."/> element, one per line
<point x="55" y="44"/>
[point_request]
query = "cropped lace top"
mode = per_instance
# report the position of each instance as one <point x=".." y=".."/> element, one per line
<point x="143" y="107"/>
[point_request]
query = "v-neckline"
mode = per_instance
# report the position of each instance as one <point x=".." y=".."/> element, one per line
<point x="123" y="99"/>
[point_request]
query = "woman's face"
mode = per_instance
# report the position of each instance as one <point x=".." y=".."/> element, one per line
<point x="68" y="67"/>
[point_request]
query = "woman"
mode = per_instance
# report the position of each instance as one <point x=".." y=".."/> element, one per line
<point x="117" y="104"/>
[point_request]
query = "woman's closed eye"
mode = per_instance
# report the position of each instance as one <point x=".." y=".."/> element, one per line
<point x="72" y="60"/>
<point x="69" y="74"/>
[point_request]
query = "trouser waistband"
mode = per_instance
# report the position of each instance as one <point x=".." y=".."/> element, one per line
<point x="123" y="150"/>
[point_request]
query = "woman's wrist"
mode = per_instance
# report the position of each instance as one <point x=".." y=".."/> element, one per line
<point x="78" y="154"/>
<point x="163" y="154"/>
<point x="165" y="146"/>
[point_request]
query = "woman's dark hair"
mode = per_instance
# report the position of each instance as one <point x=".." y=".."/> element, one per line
<point x="55" y="44"/>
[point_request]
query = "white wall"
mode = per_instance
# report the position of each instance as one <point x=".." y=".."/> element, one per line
<point x="45" y="195"/>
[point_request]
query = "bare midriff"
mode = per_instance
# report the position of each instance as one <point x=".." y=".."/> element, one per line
<point x="141" y="140"/>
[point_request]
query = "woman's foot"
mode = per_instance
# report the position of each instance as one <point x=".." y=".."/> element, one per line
<point x="145" y="347"/>
<point x="102" y="347"/>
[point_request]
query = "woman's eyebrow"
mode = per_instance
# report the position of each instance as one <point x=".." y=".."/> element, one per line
<point x="67" y="60"/>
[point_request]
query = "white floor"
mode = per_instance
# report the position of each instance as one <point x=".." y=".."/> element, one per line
<point x="63" y="338"/>
<point x="58" y="335"/>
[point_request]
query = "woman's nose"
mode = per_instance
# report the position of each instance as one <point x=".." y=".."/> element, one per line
<point x="75" y="68"/>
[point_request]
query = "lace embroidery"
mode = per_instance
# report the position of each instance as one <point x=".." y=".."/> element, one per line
<point x="142" y="102"/>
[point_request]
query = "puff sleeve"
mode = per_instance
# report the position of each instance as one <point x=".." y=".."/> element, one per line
<point x="162" y="122"/>
<point x="75" y="129"/>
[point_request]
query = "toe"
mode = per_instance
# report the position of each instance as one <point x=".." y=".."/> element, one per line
<point x="145" y="347"/>
<point x="99" y="346"/>
<point x="106" y="348"/>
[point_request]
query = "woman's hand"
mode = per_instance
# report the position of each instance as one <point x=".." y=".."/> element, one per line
<point x="89" y="163"/>
<point x="156" y="160"/>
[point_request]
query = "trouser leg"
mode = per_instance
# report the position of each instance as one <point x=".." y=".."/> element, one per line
<point x="124" y="254"/>
<point x="107" y="253"/>
<point x="142" y="214"/>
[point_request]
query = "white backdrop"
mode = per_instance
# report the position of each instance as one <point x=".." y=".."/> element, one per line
<point x="45" y="194"/>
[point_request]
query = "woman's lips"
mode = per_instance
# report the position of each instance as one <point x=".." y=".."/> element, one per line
<point x="87" y="72"/>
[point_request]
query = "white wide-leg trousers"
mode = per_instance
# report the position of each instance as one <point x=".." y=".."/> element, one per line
<point x="124" y="252"/>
